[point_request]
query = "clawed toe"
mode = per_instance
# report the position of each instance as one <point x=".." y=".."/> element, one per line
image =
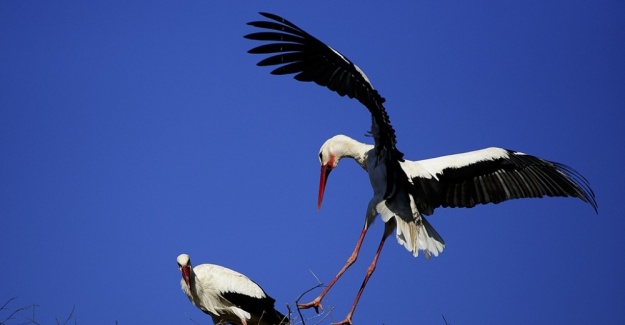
<point x="315" y="304"/>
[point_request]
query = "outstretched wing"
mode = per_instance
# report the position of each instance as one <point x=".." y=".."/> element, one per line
<point x="491" y="175"/>
<point x="297" y="52"/>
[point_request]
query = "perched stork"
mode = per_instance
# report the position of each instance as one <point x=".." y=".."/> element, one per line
<point x="229" y="297"/>
<point x="406" y="191"/>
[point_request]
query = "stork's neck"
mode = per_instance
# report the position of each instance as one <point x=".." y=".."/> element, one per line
<point x="193" y="288"/>
<point x="345" y="146"/>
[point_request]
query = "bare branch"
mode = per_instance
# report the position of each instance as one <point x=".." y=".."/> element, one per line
<point x="7" y="302"/>
<point x="16" y="312"/>
<point x="324" y="314"/>
<point x="20" y="316"/>
<point x="191" y="319"/>
<point x="302" y="295"/>
<point x="71" y="314"/>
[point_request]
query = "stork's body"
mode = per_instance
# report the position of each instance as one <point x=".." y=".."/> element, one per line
<point x="229" y="297"/>
<point x="406" y="191"/>
<point x="413" y="231"/>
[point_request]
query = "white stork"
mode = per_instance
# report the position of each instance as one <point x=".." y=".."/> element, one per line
<point x="229" y="297"/>
<point x="406" y="191"/>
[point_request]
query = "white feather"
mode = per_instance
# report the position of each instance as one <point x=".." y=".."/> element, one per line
<point x="428" y="168"/>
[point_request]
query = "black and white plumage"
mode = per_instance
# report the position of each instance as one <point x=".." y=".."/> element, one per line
<point x="406" y="191"/>
<point x="229" y="297"/>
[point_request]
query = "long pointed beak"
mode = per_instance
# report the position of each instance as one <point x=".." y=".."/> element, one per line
<point x="325" y="171"/>
<point x="186" y="274"/>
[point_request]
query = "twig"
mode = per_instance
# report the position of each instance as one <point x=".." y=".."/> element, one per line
<point x="288" y="308"/>
<point x="319" y="285"/>
<point x="6" y="303"/>
<point x="13" y="313"/>
<point x="17" y="312"/>
<point x="325" y="316"/>
<point x="191" y="319"/>
<point x="71" y="314"/>
<point x="32" y="319"/>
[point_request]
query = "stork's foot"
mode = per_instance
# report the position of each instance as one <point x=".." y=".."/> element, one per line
<point x="315" y="304"/>
<point x="346" y="321"/>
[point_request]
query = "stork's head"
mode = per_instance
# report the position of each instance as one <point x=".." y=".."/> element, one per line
<point x="333" y="150"/>
<point x="184" y="265"/>
<point x="330" y="154"/>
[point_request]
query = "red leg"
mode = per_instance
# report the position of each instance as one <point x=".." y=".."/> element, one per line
<point x="388" y="229"/>
<point x="317" y="302"/>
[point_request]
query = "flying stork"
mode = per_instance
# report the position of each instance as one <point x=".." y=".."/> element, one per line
<point x="405" y="191"/>
<point x="229" y="297"/>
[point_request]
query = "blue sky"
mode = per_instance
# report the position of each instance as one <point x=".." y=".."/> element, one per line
<point x="133" y="132"/>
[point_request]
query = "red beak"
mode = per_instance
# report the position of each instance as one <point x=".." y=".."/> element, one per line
<point x="186" y="274"/>
<point x="325" y="171"/>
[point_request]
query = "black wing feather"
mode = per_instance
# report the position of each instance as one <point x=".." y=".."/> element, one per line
<point x="494" y="181"/>
<point x="256" y="306"/>
<point x="273" y="36"/>
<point x="276" y="47"/>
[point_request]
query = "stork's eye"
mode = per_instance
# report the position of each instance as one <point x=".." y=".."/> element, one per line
<point x="320" y="156"/>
